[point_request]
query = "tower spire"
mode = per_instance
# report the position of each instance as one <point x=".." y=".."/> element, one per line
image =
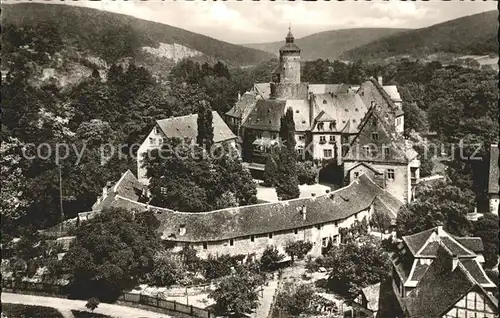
<point x="289" y="37"/>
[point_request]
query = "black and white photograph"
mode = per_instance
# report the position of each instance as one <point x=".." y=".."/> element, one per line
<point x="249" y="159"/>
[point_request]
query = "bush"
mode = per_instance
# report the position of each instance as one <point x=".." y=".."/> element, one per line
<point x="21" y="311"/>
<point x="298" y="249"/>
<point x="306" y="172"/>
<point x="92" y="303"/>
<point x="270" y="259"/>
<point x="86" y="314"/>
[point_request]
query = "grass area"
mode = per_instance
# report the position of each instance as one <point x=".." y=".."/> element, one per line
<point x="22" y="311"/>
<point x="86" y="314"/>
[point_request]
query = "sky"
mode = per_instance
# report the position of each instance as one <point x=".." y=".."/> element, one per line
<point x="266" y="21"/>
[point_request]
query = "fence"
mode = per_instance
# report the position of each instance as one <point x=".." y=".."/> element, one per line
<point x="58" y="290"/>
<point x="166" y="304"/>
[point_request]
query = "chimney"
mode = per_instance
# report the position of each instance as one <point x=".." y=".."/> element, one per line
<point x="239" y="96"/>
<point x="380" y="81"/>
<point x="440" y="231"/>
<point x="313" y="194"/>
<point x="304" y="212"/>
<point x="182" y="230"/>
<point x="105" y="189"/>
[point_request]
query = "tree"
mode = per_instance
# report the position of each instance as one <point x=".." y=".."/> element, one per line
<point x="298" y="249"/>
<point x="270" y="258"/>
<point x="356" y="265"/>
<point x="436" y="204"/>
<point x="380" y="221"/>
<point x="287" y="185"/>
<point x="205" y="136"/>
<point x="487" y="229"/>
<point x="166" y="271"/>
<point x="111" y="252"/>
<point x="92" y="303"/>
<point x="270" y="171"/>
<point x="295" y="298"/>
<point x="306" y="172"/>
<point x="236" y="294"/>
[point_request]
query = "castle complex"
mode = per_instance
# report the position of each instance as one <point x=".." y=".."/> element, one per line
<point x="357" y="127"/>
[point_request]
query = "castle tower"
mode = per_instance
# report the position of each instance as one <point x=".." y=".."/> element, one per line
<point x="289" y="68"/>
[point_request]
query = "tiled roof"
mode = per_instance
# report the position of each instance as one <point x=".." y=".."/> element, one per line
<point x="328" y="88"/>
<point x="247" y="100"/>
<point x="416" y="241"/>
<point x="442" y="286"/>
<point x="187" y="127"/>
<point x="474" y="244"/>
<point x="128" y="186"/>
<point x="263" y="89"/>
<point x="493" y="174"/>
<point x="289" y="47"/>
<point x="300" y="113"/>
<point x="266" y="115"/>
<point x="418" y="272"/>
<point x="456" y="248"/>
<point x="476" y="271"/>
<point x="262" y="218"/>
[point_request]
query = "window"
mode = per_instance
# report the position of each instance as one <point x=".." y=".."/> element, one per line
<point x="346" y="110"/>
<point x="354" y="121"/>
<point x="324" y="101"/>
<point x="152" y="141"/>
<point x="356" y="174"/>
<point x="163" y="190"/>
<point x="357" y="110"/>
<point x="258" y="134"/>
<point x="324" y="241"/>
<point x="297" y="111"/>
<point x="318" y="227"/>
<point x="368" y="151"/>
<point x="273" y="135"/>
<point x="300" y="151"/>
<point x="398" y="121"/>
<point x="374" y="122"/>
<point x="321" y="126"/>
<point x="270" y="235"/>
<point x="327" y="153"/>
<point x="332" y="126"/>
<point x="302" y="137"/>
<point x="374" y="136"/>
<point x="205" y="246"/>
<point x="231" y="242"/>
<point x="160" y="141"/>
<point x="296" y="231"/>
<point x="252" y="238"/>
<point x="322" y="139"/>
<point x="386" y="151"/>
<point x="390" y="174"/>
<point x="332" y="139"/>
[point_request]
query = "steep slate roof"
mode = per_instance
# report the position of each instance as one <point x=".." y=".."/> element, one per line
<point x="399" y="150"/>
<point x="300" y="113"/>
<point x="262" y="218"/>
<point x="187" y="127"/>
<point x="266" y="115"/>
<point x="493" y="187"/>
<point x="247" y="100"/>
<point x="441" y="287"/>
<point x="346" y="108"/>
<point x="474" y="244"/>
<point x="128" y="186"/>
<point x="263" y="89"/>
<point x="426" y="243"/>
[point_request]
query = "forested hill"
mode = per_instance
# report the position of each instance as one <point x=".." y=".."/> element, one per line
<point x="111" y="36"/>
<point x="475" y="35"/>
<point x="330" y="44"/>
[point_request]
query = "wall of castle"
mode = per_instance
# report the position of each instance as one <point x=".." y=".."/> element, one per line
<point x="319" y="235"/>
<point x="290" y="72"/>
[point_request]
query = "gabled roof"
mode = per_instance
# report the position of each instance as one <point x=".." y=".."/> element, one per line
<point x="425" y="244"/>
<point x="127" y="186"/>
<point x="187" y="127"/>
<point x="262" y="218"/>
<point x="369" y="166"/>
<point x="247" y="100"/>
<point x="442" y="286"/>
<point x="399" y="150"/>
<point x="493" y="187"/>
<point x="474" y="244"/>
<point x="266" y="115"/>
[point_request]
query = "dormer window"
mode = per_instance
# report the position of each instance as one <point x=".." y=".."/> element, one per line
<point x="321" y="126"/>
<point x="332" y="126"/>
<point x="374" y="136"/>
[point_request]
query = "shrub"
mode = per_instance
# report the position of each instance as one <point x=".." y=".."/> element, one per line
<point x="20" y="310"/>
<point x="306" y="172"/>
<point x="270" y="259"/>
<point x="92" y="303"/>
